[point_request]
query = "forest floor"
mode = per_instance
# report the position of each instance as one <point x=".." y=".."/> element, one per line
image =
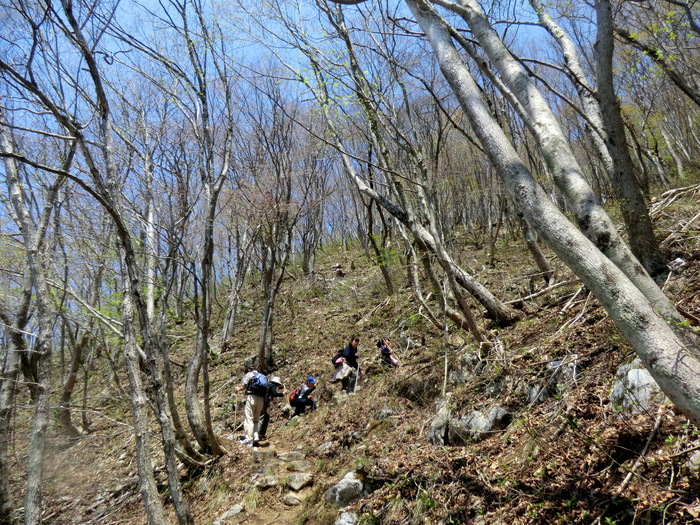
<point x="568" y="459"/>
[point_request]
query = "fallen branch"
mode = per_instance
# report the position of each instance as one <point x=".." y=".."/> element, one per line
<point x="541" y="292"/>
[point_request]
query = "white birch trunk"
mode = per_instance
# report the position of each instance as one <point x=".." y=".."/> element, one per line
<point x="673" y="365"/>
<point x="568" y="175"/>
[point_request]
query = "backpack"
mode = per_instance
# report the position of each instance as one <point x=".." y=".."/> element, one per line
<point x="258" y="385"/>
<point x="293" y="397"/>
<point x="337" y="356"/>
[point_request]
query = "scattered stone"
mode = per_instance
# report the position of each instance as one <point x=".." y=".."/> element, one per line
<point x="476" y="426"/>
<point x="385" y="413"/>
<point x="437" y="433"/>
<point x="264" y="455"/>
<point x="339" y="397"/>
<point x="300" y="480"/>
<point x="230" y="513"/>
<point x="562" y="373"/>
<point x="268" y="469"/>
<point x="692" y="466"/>
<point x="346" y="518"/>
<point x="634" y="390"/>
<point x="448" y="430"/>
<point x="329" y="448"/>
<point x="537" y="394"/>
<point x="299" y="465"/>
<point x="290" y="499"/>
<point x="349" y="489"/>
<point x="264" y="482"/>
<point x="295" y="455"/>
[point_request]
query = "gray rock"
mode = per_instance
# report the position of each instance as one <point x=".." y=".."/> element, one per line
<point x="346" y="518"/>
<point x="499" y="418"/>
<point x="385" y="413"/>
<point x="463" y="369"/>
<point x="476" y="426"/>
<point x="339" y="397"/>
<point x="634" y="390"/>
<point x="299" y="480"/>
<point x="299" y="465"/>
<point x="294" y="455"/>
<point x="268" y="469"/>
<point x="230" y="513"/>
<point x="290" y="500"/>
<point x="562" y="373"/>
<point x="349" y="489"/>
<point x="537" y="394"/>
<point x="437" y="433"/>
<point x="692" y="466"/>
<point x="264" y="455"/>
<point x="264" y="482"/>
<point x="329" y="448"/>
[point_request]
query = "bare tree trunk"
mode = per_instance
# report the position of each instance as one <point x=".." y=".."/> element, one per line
<point x="64" y="408"/>
<point x="590" y="108"/>
<point x="243" y="246"/>
<point x="139" y="410"/>
<point x="33" y="232"/>
<point x="10" y="371"/>
<point x="568" y="175"/>
<point x="675" y="367"/>
<point x="540" y="260"/>
<point x="640" y="231"/>
<point x="379" y="253"/>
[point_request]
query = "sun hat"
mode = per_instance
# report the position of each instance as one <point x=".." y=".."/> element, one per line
<point x="276" y="380"/>
<point x="311" y="380"/>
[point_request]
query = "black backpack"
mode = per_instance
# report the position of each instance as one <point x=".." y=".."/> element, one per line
<point x="337" y="356"/>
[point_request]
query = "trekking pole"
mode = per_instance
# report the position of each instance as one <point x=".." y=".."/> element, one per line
<point x="235" y="413"/>
<point x="357" y="377"/>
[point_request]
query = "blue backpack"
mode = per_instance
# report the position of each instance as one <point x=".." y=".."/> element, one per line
<point x="258" y="385"/>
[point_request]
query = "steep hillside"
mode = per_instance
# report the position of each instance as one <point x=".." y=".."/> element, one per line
<point x="566" y="458"/>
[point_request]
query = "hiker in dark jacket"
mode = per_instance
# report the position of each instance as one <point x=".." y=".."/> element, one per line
<point x="349" y="356"/>
<point x="276" y="389"/>
<point x="304" y="399"/>
<point x="387" y="354"/>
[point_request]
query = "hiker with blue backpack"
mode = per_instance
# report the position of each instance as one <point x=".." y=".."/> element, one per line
<point x="256" y="386"/>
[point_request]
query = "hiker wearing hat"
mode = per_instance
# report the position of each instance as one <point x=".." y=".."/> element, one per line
<point x="305" y="399"/>
<point x="276" y="389"/>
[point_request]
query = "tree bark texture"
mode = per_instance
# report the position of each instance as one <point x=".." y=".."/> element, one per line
<point x="674" y="366"/>
<point x="635" y="213"/>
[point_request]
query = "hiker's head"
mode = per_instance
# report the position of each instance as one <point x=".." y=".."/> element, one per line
<point x="311" y="381"/>
<point x="276" y="381"/>
<point x="354" y="340"/>
<point x="381" y="342"/>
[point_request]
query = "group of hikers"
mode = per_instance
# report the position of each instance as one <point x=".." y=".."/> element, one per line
<point x="261" y="391"/>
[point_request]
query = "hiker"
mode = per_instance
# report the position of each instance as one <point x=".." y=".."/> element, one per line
<point x="276" y="389"/>
<point x="347" y="366"/>
<point x="304" y="398"/>
<point x="255" y="385"/>
<point x="387" y="354"/>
